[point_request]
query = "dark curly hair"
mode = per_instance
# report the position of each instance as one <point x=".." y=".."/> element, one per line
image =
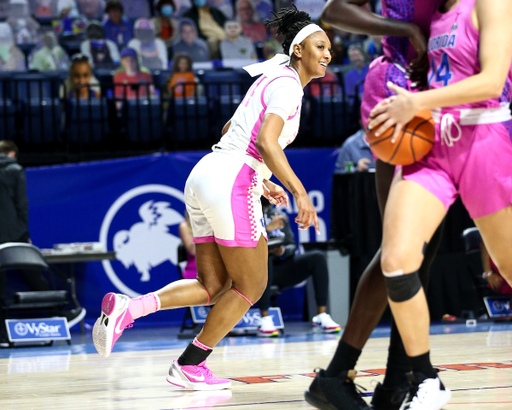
<point x="289" y="21"/>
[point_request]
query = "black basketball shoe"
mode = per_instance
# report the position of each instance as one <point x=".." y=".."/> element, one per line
<point x="335" y="393"/>
<point x="389" y="398"/>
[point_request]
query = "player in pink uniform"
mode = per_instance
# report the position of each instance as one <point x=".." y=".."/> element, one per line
<point x="222" y="196"/>
<point x="470" y="55"/>
<point x="406" y="26"/>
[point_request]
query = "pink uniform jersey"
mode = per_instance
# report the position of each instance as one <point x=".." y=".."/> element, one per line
<point x="223" y="191"/>
<point x="472" y="153"/>
<point x="398" y="51"/>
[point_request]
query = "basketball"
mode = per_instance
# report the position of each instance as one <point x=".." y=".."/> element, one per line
<point x="412" y="144"/>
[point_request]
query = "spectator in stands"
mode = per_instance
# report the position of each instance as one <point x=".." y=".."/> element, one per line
<point x="166" y="25"/>
<point x="44" y="8"/>
<point x="181" y="74"/>
<point x="272" y="46"/>
<point x="81" y="82"/>
<point x="134" y="9"/>
<point x="373" y="47"/>
<point x="151" y="50"/>
<point x="117" y="29"/>
<point x="70" y="25"/>
<point x="326" y="85"/>
<point x="252" y="28"/>
<point x="312" y="7"/>
<point x="354" y="78"/>
<point x="187" y="239"/>
<point x="91" y="9"/>
<point x="355" y="154"/>
<point x="189" y="43"/>
<point x="11" y="57"/>
<point x="24" y="28"/>
<point x="236" y="47"/>
<point x="131" y="80"/>
<point x="48" y="55"/>
<point x="226" y="6"/>
<point x="263" y="9"/>
<point x="210" y="22"/>
<point x="101" y="51"/>
<point x="286" y="269"/>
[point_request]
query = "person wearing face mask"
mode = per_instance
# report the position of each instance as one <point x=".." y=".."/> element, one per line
<point x="166" y="25"/>
<point x="210" y="22"/>
<point x="100" y="51"/>
<point x="117" y="29"/>
<point x="152" y="50"/>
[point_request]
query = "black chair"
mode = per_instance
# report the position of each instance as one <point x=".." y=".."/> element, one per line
<point x="16" y="256"/>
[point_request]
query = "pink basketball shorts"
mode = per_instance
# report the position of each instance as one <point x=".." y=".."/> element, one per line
<point x="473" y="161"/>
<point x="222" y="195"/>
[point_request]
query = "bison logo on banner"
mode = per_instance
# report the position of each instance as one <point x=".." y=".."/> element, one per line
<point x="142" y="227"/>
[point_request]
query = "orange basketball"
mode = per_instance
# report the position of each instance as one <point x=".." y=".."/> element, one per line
<point x="413" y="143"/>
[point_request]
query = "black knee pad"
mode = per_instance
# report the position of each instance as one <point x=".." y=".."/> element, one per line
<point x="404" y="287"/>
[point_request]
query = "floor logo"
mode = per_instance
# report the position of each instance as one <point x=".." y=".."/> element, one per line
<point x="141" y="226"/>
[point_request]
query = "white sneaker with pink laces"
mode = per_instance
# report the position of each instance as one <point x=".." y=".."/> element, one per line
<point x="195" y="377"/>
<point x="115" y="317"/>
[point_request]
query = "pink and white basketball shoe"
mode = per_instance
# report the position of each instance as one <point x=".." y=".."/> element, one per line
<point x="115" y="317"/>
<point x="195" y="377"/>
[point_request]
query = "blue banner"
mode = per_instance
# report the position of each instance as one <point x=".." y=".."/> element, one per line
<point x="134" y="206"/>
<point x="39" y="330"/>
<point x="498" y="306"/>
<point x="250" y="321"/>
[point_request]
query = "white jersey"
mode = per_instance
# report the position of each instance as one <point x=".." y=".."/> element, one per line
<point x="281" y="95"/>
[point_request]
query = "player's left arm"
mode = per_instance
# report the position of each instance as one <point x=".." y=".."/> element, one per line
<point x="493" y="19"/>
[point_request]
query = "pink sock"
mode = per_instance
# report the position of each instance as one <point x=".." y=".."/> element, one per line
<point x="144" y="305"/>
<point x="197" y="343"/>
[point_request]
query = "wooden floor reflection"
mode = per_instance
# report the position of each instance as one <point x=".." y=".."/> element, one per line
<point x="268" y="374"/>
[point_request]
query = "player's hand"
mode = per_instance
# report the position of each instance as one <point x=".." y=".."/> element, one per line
<point x="396" y="111"/>
<point x="363" y="164"/>
<point x="418" y="68"/>
<point x="307" y="213"/>
<point x="495" y="281"/>
<point x="275" y="194"/>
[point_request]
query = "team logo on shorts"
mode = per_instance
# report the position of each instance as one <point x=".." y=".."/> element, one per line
<point x="141" y="226"/>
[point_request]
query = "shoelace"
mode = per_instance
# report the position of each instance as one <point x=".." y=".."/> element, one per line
<point x="446" y="130"/>
<point x="358" y="392"/>
<point x="398" y="397"/>
<point x="416" y="396"/>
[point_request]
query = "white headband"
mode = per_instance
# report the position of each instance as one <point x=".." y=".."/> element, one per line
<point x="267" y="67"/>
<point x="303" y="34"/>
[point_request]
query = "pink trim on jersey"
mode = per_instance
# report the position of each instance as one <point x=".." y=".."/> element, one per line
<point x="203" y="239"/>
<point x="251" y="149"/>
<point x="245" y="297"/>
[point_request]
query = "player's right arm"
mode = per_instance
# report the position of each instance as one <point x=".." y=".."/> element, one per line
<point x="275" y="159"/>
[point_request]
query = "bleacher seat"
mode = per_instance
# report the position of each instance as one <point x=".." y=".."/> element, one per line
<point x="144" y="120"/>
<point x="86" y="120"/>
<point x="228" y="106"/>
<point x="42" y="121"/>
<point x="329" y="117"/>
<point x="217" y="83"/>
<point x="187" y="119"/>
<point x="7" y="119"/>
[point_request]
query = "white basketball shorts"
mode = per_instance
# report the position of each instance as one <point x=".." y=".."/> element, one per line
<point x="222" y="195"/>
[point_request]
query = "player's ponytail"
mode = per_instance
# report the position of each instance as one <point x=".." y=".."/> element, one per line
<point x="289" y="21"/>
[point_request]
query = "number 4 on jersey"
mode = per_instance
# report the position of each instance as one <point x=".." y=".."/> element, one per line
<point x="442" y="73"/>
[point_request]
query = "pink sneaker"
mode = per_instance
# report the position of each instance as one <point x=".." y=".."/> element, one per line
<point x="195" y="377"/>
<point x="115" y="317"/>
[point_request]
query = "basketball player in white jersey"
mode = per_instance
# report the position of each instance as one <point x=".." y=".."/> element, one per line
<point x="222" y="196"/>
